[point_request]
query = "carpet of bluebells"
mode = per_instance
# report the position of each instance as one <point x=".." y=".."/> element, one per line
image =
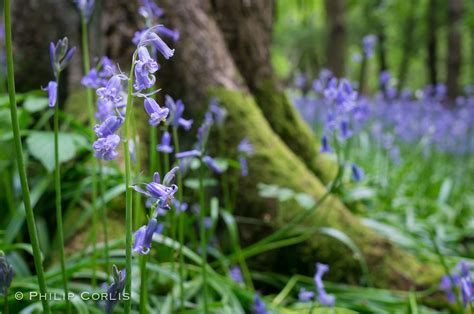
<point x="407" y="155"/>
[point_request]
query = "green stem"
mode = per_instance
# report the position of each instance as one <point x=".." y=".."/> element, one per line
<point x="59" y="210"/>
<point x="153" y="152"/>
<point x="103" y="212"/>
<point x="442" y="260"/>
<point x="128" y="190"/>
<point x="180" y="221"/>
<point x="30" y="219"/>
<point x="5" y="303"/>
<point x="137" y="205"/>
<point x="90" y="109"/>
<point x="202" y="230"/>
<point x="143" y="287"/>
<point x="7" y="182"/>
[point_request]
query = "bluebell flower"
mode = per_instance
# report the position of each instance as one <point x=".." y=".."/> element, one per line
<point x="305" y="296"/>
<point x="368" y="43"/>
<point x="86" y="7"/>
<point x="52" y="93"/>
<point x="143" y="80"/>
<point x="219" y="114"/>
<point x="150" y="9"/>
<point x="325" y="148"/>
<point x="323" y="298"/>
<point x="244" y="169"/>
<point x="144" y="236"/>
<point x="170" y="33"/>
<point x="165" y="145"/>
<point x="105" y="109"/>
<point x="236" y="274"/>
<point x="259" y="306"/>
<point x="108" y="127"/>
<point x="92" y="79"/>
<point x="345" y="130"/>
<point x="150" y="37"/>
<point x="6" y="274"/>
<point x="460" y="279"/>
<point x="161" y="191"/>
<point x="60" y="55"/>
<point x="188" y="154"/>
<point x="245" y="147"/>
<point x="180" y="207"/>
<point x="467" y="291"/>
<point x="210" y="162"/>
<point x="447" y="286"/>
<point x="385" y="77"/>
<point x="357" y="173"/>
<point x="105" y="147"/>
<point x="113" y="90"/>
<point x="114" y="291"/>
<point x="145" y="63"/>
<point x="156" y="113"/>
<point x="176" y="109"/>
<point x="145" y="66"/>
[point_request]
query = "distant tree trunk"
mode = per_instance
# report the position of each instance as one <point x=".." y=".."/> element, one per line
<point x="407" y="48"/>
<point x="432" y="42"/>
<point x="204" y="67"/>
<point x="453" y="63"/>
<point x="336" y="39"/>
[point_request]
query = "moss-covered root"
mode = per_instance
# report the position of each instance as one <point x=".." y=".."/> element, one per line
<point x="274" y="163"/>
<point x="287" y="123"/>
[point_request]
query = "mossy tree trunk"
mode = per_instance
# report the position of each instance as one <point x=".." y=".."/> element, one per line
<point x="204" y="67"/>
<point x="247" y="30"/>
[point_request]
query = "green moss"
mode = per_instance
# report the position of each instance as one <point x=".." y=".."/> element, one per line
<point x="275" y="163"/>
<point x="287" y="123"/>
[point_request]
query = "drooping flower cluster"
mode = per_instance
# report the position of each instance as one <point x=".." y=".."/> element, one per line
<point x="112" y="97"/>
<point x="60" y="55"/>
<point x="214" y="116"/>
<point x="114" y="291"/>
<point x="461" y="279"/>
<point x="322" y="297"/>
<point x="161" y="195"/>
<point x="6" y="274"/>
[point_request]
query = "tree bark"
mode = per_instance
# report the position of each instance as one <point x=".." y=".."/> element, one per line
<point x="453" y="63"/>
<point x="203" y="67"/>
<point x="336" y="40"/>
<point x="247" y="30"/>
<point x="432" y="43"/>
<point x="407" y="51"/>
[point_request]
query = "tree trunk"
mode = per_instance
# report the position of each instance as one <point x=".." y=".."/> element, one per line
<point x="432" y="42"/>
<point x="247" y="30"/>
<point x="454" y="48"/>
<point x="203" y="67"/>
<point x="336" y="40"/>
<point x="407" y="51"/>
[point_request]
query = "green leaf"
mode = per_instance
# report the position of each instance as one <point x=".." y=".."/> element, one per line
<point x="41" y="146"/>
<point x="35" y="103"/>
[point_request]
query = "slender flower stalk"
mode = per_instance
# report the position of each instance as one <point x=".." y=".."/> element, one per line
<point x="180" y="222"/>
<point x="128" y="188"/>
<point x="59" y="212"/>
<point x="202" y="235"/>
<point x="30" y="219"/>
<point x="90" y="109"/>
